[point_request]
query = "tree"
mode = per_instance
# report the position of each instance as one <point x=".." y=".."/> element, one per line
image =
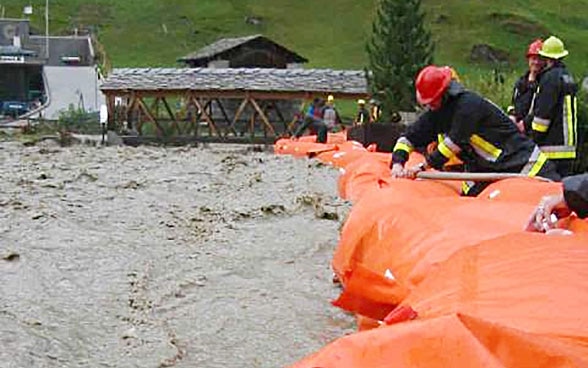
<point x="398" y="48"/>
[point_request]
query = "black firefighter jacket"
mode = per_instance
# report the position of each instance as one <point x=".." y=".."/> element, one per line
<point x="554" y="124"/>
<point x="523" y="98"/>
<point x="474" y="129"/>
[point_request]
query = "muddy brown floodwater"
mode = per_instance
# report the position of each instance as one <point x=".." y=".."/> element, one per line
<point x="165" y="257"/>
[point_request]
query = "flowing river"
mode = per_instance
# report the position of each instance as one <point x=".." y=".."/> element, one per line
<point x="214" y="256"/>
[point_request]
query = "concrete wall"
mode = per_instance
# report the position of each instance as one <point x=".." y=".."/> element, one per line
<point x="78" y="86"/>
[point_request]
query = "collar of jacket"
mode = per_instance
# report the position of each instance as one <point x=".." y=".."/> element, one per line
<point x="455" y="89"/>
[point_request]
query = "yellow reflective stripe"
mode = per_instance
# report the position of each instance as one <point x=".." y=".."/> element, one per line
<point x="575" y="121"/>
<point x="466" y="186"/>
<point x="480" y="143"/>
<point x="569" y="131"/>
<point x="440" y="137"/>
<point x="560" y="155"/>
<point x="539" y="127"/>
<point x="445" y="151"/>
<point x="538" y="164"/>
<point x="402" y="147"/>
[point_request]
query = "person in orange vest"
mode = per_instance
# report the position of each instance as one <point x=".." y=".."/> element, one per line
<point x="525" y="89"/>
<point x="474" y="129"/>
<point x="554" y="125"/>
<point x="573" y="198"/>
<point x="363" y="115"/>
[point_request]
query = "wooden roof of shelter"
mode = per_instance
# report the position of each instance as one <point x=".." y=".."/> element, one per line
<point x="291" y="82"/>
<point x="223" y="46"/>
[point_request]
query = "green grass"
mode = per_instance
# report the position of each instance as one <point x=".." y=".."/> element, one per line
<point x="330" y="34"/>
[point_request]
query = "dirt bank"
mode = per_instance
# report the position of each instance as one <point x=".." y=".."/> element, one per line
<point x="159" y="257"/>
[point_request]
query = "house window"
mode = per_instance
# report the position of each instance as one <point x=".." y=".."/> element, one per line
<point x="71" y="60"/>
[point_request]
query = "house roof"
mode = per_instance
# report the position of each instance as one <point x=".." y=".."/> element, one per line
<point x="238" y="79"/>
<point x="226" y="44"/>
<point x="15" y="51"/>
<point x="66" y="46"/>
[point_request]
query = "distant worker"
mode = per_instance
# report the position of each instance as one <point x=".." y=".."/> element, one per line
<point x="330" y="114"/>
<point x="314" y="119"/>
<point x="375" y="111"/>
<point x="554" y="126"/>
<point x="525" y="88"/>
<point x="474" y="129"/>
<point x="363" y="115"/>
<point x="573" y="198"/>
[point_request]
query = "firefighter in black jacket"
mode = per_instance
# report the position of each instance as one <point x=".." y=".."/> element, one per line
<point x="474" y="129"/>
<point x="554" y="126"/>
<point x="521" y="111"/>
<point x="573" y="198"/>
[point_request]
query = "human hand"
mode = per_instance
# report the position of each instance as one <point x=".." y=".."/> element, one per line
<point x="412" y="172"/>
<point x="397" y="171"/>
<point x="545" y="216"/>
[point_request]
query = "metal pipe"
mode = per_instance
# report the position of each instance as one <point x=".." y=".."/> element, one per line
<point x="466" y="176"/>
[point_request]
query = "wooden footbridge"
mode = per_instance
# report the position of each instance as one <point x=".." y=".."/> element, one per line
<point x="254" y="105"/>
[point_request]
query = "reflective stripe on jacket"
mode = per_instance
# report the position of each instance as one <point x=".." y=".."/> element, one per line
<point x="555" y="123"/>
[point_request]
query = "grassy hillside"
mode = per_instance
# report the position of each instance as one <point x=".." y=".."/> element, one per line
<point x="329" y="34"/>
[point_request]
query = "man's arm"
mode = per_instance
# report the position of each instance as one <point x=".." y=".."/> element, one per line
<point x="576" y="194"/>
<point x="418" y="134"/>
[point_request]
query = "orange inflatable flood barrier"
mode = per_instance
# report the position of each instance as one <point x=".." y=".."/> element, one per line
<point x="287" y="146"/>
<point x="450" y="280"/>
<point x="404" y="244"/>
<point x="513" y="301"/>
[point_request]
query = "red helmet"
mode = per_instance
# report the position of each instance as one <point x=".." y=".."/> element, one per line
<point x="534" y="48"/>
<point x="431" y="83"/>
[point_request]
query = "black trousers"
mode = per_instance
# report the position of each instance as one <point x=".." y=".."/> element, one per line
<point x="319" y="127"/>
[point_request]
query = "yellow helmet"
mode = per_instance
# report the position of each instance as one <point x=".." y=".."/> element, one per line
<point x="361" y="102"/>
<point x="330" y="98"/>
<point x="553" y="48"/>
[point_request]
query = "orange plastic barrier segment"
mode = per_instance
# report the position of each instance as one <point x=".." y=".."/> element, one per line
<point x="286" y="146"/>
<point x="383" y="297"/>
<point x="365" y="216"/>
<point x="332" y="138"/>
<point x="362" y="175"/>
<point x="367" y="172"/>
<point x="574" y="224"/>
<point x="340" y="158"/>
<point x="532" y="282"/>
<point x="409" y="241"/>
<point x="448" y="341"/>
<point x="513" y="301"/>
<point x="365" y="323"/>
<point x="526" y="190"/>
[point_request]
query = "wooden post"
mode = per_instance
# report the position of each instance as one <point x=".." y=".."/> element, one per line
<point x="110" y="105"/>
<point x="252" y="124"/>
<point x="150" y="116"/>
<point x="206" y="116"/>
<point x="227" y="120"/>
<point x="238" y="113"/>
<point x="263" y="117"/>
<point x="280" y="115"/>
<point x="171" y="115"/>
